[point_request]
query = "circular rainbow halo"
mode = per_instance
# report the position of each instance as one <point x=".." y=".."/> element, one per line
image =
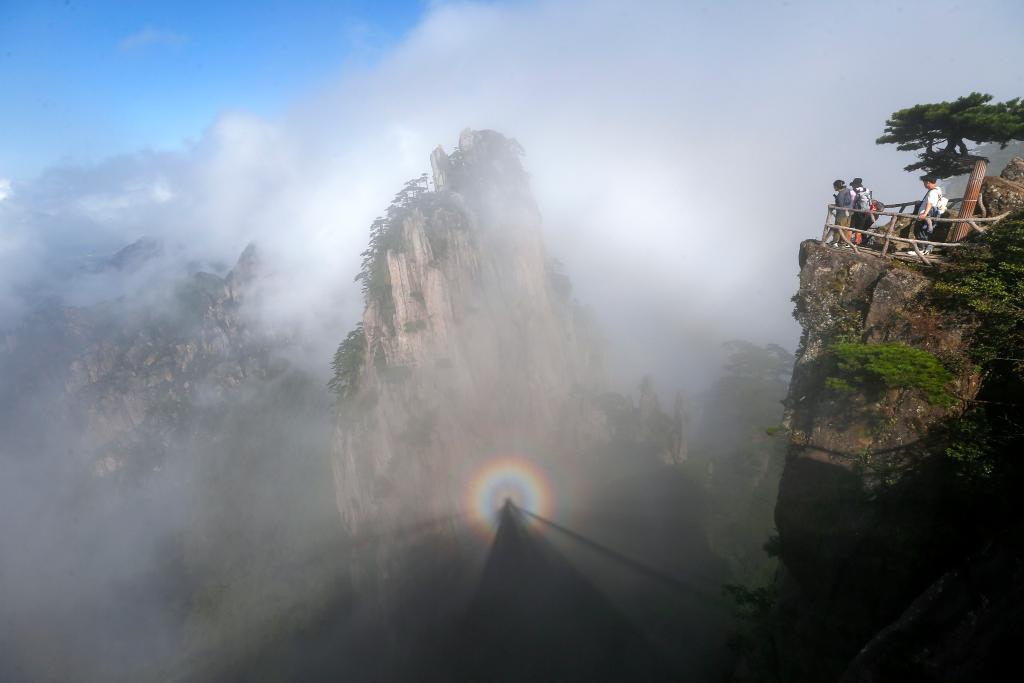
<point x="508" y="477"/>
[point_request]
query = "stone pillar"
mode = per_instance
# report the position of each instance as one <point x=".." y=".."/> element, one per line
<point x="440" y="165"/>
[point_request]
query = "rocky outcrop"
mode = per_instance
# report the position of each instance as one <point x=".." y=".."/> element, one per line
<point x="862" y="520"/>
<point x="470" y="345"/>
<point x="1005" y="192"/>
<point x="124" y="380"/>
<point x="1014" y="171"/>
<point x="1001" y="195"/>
<point x="966" y="626"/>
<point x="847" y="297"/>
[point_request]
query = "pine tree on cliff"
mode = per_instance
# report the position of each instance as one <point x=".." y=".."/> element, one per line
<point x="940" y="132"/>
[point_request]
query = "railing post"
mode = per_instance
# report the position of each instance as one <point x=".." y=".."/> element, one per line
<point x="970" y="200"/>
<point x="888" y="233"/>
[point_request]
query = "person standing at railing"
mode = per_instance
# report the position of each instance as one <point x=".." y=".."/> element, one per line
<point x="862" y="201"/>
<point x="927" y="210"/>
<point x="843" y="197"/>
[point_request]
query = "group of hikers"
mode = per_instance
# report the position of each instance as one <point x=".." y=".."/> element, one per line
<point x="857" y="209"/>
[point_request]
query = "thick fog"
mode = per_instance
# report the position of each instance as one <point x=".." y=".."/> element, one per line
<point x="679" y="153"/>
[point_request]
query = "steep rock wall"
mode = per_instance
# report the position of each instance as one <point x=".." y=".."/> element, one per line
<point x="861" y="513"/>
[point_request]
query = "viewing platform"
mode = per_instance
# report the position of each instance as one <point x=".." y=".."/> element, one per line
<point x="888" y="239"/>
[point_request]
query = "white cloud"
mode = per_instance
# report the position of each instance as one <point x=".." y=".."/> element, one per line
<point x="5" y="189"/>
<point x="679" y="155"/>
<point x="151" y="37"/>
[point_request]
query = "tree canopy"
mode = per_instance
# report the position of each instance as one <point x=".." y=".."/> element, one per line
<point x="940" y="132"/>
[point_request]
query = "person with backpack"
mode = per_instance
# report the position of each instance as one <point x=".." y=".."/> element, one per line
<point x="861" y="202"/>
<point x="842" y="197"/>
<point x="931" y="206"/>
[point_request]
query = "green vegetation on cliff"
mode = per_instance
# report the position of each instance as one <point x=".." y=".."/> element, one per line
<point x="869" y="367"/>
<point x="385" y="236"/>
<point x="988" y="282"/>
<point x="348" y="363"/>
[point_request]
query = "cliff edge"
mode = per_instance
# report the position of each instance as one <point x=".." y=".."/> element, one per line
<point x="898" y="529"/>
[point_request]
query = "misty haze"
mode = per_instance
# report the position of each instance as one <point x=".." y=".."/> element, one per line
<point x="525" y="340"/>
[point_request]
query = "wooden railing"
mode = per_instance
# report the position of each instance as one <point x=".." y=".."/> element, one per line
<point x="900" y="220"/>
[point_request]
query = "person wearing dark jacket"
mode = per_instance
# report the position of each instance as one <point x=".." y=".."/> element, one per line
<point x="842" y="197"/>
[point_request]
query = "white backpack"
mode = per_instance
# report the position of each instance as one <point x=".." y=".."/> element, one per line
<point x="943" y="204"/>
<point x="862" y="200"/>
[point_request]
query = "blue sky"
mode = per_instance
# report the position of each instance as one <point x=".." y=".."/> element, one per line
<point x="654" y="132"/>
<point x="83" y="80"/>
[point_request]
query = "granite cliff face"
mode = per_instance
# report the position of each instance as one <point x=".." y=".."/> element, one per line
<point x="847" y="547"/>
<point x="883" y="545"/>
<point x="470" y="346"/>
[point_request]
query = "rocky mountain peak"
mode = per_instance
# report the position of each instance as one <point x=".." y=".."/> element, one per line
<point x="245" y="272"/>
<point x="482" y="157"/>
<point x="469" y="345"/>
<point x="124" y="375"/>
<point x="134" y="255"/>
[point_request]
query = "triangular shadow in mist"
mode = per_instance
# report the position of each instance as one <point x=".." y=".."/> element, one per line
<point x="535" y="617"/>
